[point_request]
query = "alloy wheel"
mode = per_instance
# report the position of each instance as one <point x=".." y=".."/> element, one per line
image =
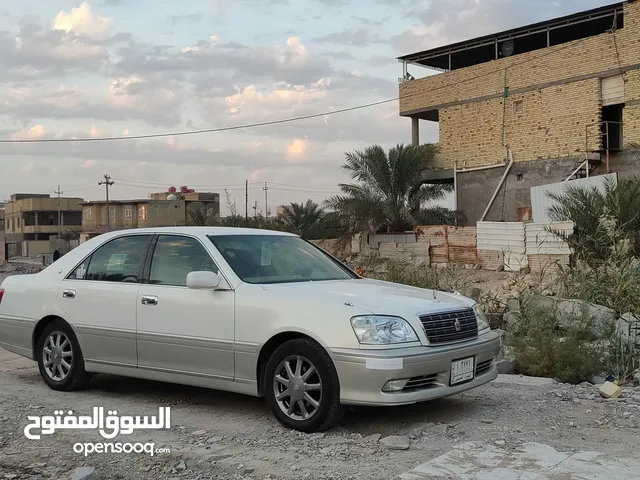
<point x="57" y="355"/>
<point x="297" y="387"/>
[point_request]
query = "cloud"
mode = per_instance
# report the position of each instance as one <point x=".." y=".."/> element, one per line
<point x="82" y="21"/>
<point x="123" y="99"/>
<point x="297" y="148"/>
<point x="449" y="21"/>
<point x="354" y="37"/>
<point x="31" y="133"/>
<point x="227" y="62"/>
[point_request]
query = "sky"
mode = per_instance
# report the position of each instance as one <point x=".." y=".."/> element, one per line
<point x="72" y="69"/>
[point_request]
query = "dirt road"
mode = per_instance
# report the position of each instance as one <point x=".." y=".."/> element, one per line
<point x="227" y="436"/>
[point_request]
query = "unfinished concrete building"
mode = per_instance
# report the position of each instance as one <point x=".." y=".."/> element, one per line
<point x="562" y="95"/>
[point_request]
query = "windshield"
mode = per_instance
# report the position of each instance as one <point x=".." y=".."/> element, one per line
<point x="278" y="259"/>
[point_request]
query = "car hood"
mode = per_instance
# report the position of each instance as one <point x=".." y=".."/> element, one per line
<point x="373" y="296"/>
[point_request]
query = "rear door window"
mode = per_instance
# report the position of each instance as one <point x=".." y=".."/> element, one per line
<point x="120" y="260"/>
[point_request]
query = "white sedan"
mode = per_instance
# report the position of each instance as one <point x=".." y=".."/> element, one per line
<point x="250" y="311"/>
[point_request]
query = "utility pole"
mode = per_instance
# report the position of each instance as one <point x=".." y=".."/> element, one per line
<point x="59" y="192"/>
<point x="255" y="209"/>
<point x="246" y="200"/>
<point x="107" y="183"/>
<point x="266" y="203"/>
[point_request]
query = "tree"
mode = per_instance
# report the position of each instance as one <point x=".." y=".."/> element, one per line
<point x="392" y="189"/>
<point x="592" y="211"/>
<point x="304" y="219"/>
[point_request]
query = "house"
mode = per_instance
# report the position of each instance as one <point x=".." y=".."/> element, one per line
<point x="163" y="209"/>
<point x="31" y="219"/>
<point x="560" y="98"/>
<point x="206" y="200"/>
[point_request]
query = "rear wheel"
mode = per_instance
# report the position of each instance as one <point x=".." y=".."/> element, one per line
<point x="59" y="358"/>
<point x="302" y="388"/>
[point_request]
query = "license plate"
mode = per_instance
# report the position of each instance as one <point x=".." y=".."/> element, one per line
<point x="462" y="370"/>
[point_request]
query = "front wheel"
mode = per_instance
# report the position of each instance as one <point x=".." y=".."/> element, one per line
<point x="60" y="359"/>
<point x="302" y="388"/>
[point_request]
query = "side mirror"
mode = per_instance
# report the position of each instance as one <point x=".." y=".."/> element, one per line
<point x="205" y="280"/>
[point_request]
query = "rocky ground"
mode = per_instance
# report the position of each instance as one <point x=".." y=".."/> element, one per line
<point x="217" y="435"/>
<point x="227" y="436"/>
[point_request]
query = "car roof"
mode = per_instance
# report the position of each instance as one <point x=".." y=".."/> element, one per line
<point x="211" y="231"/>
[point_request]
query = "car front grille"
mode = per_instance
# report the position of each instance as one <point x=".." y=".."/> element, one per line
<point x="483" y="367"/>
<point x="449" y="327"/>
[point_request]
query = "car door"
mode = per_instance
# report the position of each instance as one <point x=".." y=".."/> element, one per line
<point x="182" y="330"/>
<point x="99" y="298"/>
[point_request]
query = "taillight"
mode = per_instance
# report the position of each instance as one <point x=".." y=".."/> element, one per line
<point x="1" y="294"/>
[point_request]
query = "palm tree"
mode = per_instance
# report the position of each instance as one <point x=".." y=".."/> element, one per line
<point x="391" y="191"/>
<point x="305" y="219"/>
<point x="593" y="211"/>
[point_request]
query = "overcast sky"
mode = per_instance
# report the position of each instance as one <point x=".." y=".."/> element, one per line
<point x="135" y="67"/>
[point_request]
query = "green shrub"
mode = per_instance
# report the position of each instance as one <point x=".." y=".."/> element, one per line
<point x="548" y="343"/>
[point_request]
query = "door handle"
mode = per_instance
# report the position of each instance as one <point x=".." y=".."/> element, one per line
<point x="149" y="300"/>
<point x="69" y="294"/>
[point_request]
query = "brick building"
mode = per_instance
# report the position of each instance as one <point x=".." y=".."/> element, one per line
<point x="165" y="209"/>
<point x="31" y="219"/>
<point x="563" y="95"/>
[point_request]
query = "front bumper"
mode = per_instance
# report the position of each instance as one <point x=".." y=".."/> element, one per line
<point x="363" y="373"/>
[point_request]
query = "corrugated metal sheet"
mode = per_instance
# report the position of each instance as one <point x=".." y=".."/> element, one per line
<point x="436" y="236"/>
<point x="540" y="201"/>
<point x="373" y="240"/>
<point x="546" y="263"/>
<point x="505" y="237"/>
<point x="408" y="251"/>
<point x="540" y="241"/>
<point x="462" y="245"/>
<point x="612" y="90"/>
<point x="490" y="260"/>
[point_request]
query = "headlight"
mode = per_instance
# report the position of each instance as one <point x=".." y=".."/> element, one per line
<point x="381" y="330"/>
<point x="483" y="321"/>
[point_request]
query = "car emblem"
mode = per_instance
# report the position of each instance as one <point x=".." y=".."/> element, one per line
<point x="457" y="325"/>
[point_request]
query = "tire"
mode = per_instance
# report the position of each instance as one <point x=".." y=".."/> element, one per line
<point x="73" y="378"/>
<point x="327" y="410"/>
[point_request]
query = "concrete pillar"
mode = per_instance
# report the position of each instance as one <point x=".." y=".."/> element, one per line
<point x="415" y="131"/>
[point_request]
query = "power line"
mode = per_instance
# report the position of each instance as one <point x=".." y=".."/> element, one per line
<point x="288" y="120"/>
<point x="197" y="132"/>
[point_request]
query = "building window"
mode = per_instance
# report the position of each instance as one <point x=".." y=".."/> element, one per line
<point x="165" y="209"/>
<point x="142" y="212"/>
<point x="112" y="215"/>
<point x="128" y="212"/>
<point x="156" y="210"/>
<point x="519" y="177"/>
<point x="87" y="213"/>
<point x="518" y="107"/>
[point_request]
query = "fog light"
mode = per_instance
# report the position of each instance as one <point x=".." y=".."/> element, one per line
<point x="394" y="385"/>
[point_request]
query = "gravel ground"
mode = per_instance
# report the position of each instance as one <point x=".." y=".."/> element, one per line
<point x="227" y="436"/>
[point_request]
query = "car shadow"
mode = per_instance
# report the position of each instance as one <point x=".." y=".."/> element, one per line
<point x="363" y="420"/>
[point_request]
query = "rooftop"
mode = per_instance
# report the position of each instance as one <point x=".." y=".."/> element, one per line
<point x="520" y="40"/>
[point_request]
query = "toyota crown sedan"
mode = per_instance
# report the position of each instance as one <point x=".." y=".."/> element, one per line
<point x="249" y="311"/>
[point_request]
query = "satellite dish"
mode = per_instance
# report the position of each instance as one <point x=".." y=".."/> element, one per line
<point x="172" y="196"/>
<point x="507" y="48"/>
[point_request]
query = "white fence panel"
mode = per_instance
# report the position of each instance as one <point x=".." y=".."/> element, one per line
<point x="540" y="201"/>
<point x="505" y="237"/>
<point x="375" y="239"/>
<point x="540" y="241"/>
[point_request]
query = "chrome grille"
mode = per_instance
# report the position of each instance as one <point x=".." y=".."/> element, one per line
<point x="418" y="383"/>
<point x="448" y="327"/>
<point x="483" y="367"/>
